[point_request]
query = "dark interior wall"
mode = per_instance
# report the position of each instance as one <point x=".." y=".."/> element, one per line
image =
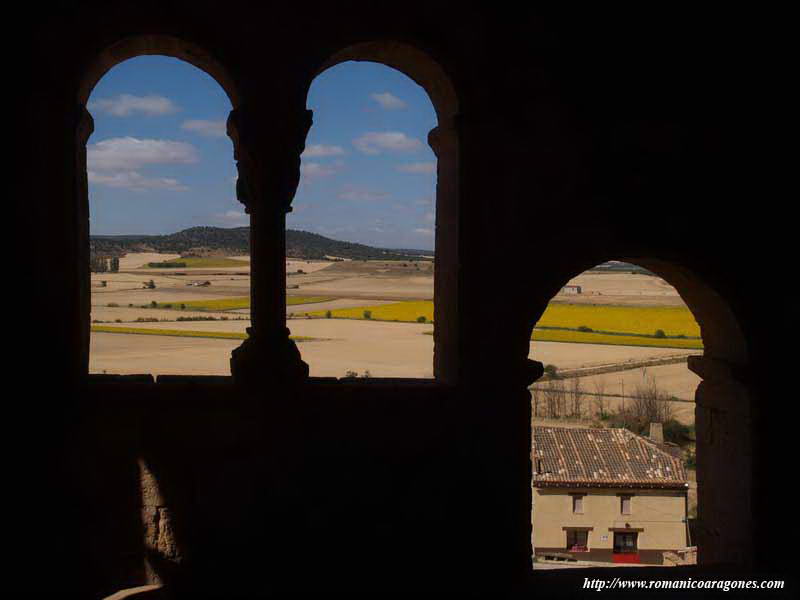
<point x="582" y="137"/>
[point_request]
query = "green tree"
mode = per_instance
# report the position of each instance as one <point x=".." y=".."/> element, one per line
<point x="551" y="371"/>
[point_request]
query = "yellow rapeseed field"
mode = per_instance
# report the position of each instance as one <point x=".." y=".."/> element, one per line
<point x="223" y="304"/>
<point x="399" y="311"/>
<point x="673" y="320"/>
<point x="227" y="335"/>
<point x="604" y="320"/>
<point x="580" y="337"/>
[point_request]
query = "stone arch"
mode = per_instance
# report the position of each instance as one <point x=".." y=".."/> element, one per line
<point x="111" y="56"/>
<point x="723" y="338"/>
<point x="411" y="61"/>
<point x="723" y="401"/>
<point x="444" y="140"/>
<point x="156" y="44"/>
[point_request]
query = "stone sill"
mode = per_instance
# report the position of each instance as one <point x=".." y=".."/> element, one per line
<point x="354" y="382"/>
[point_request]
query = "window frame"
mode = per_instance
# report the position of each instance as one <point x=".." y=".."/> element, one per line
<point x="623" y="498"/>
<point x="573" y="532"/>
<point x="620" y="549"/>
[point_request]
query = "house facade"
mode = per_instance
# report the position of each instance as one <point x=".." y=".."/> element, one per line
<point x="606" y="495"/>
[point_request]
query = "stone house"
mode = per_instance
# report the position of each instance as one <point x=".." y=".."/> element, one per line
<point x="606" y="495"/>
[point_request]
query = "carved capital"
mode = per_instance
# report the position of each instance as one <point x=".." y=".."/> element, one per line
<point x="531" y="371"/>
<point x="443" y="138"/>
<point x="717" y="371"/>
<point x="267" y="146"/>
<point x="85" y="124"/>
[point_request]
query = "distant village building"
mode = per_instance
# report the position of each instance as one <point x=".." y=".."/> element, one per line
<point x="571" y="289"/>
<point x="606" y="495"/>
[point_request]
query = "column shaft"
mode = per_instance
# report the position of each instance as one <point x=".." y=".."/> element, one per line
<point x="268" y="142"/>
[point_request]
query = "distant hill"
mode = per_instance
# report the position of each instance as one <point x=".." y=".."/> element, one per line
<point x="236" y="241"/>
<point x="616" y="266"/>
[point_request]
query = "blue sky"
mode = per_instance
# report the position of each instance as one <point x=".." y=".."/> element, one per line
<point x="159" y="160"/>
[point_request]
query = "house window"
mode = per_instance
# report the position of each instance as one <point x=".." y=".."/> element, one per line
<point x="578" y="540"/>
<point x="625" y="542"/>
<point x="625" y="505"/>
<point x="577" y="504"/>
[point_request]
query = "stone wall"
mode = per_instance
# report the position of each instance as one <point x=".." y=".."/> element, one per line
<point x="623" y="132"/>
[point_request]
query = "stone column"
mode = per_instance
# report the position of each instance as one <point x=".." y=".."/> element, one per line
<point x="724" y="463"/>
<point x="443" y="140"/>
<point x="84" y="128"/>
<point x="268" y="141"/>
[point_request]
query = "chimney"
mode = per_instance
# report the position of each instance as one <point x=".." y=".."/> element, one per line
<point x="657" y="432"/>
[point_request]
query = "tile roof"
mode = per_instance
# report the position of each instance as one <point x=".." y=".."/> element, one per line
<point x="601" y="458"/>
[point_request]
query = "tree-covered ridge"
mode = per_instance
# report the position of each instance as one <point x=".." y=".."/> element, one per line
<point x="236" y="241"/>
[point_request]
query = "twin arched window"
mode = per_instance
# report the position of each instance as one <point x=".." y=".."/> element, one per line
<point x="169" y="268"/>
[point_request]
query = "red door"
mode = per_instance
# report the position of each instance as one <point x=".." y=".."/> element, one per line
<point x="626" y="548"/>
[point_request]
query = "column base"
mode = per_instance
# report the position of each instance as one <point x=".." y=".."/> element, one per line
<point x="274" y="360"/>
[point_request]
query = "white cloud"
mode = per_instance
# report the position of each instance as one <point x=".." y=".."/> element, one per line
<point x="361" y="194"/>
<point x="317" y="150"/>
<point x="132" y="180"/>
<point x="130" y="153"/>
<point x="388" y="101"/>
<point x="233" y="217"/>
<point x="424" y="231"/>
<point x="324" y="230"/>
<point x="206" y="127"/>
<point x="126" y="105"/>
<point x="313" y="170"/>
<point x="429" y="217"/>
<point x="424" y="201"/>
<point x="374" y="142"/>
<point x="417" y="167"/>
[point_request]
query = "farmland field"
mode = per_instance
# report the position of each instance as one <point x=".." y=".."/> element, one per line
<point x="407" y="312"/>
<point x="225" y="304"/>
<point x="623" y="312"/>
<point x="582" y="337"/>
<point x="561" y="322"/>
<point x="210" y="262"/>
<point x="227" y="335"/>
<point x="672" y="320"/>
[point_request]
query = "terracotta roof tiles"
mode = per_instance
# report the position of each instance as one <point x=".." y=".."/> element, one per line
<point x="601" y="457"/>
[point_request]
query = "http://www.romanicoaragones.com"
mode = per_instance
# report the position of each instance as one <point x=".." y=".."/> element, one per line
<point x="680" y="584"/>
